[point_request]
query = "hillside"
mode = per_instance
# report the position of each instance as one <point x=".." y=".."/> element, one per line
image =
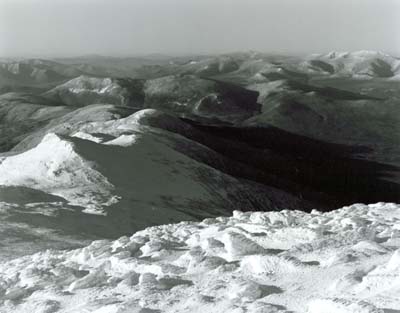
<point x="200" y="184"/>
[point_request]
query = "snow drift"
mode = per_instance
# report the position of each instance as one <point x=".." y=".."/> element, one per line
<point x="347" y="260"/>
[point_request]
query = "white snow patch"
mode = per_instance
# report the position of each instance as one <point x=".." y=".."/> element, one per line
<point x="222" y="265"/>
<point x="53" y="166"/>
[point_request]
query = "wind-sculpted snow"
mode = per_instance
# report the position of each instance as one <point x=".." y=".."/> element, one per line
<point x="346" y="260"/>
<point x="88" y="156"/>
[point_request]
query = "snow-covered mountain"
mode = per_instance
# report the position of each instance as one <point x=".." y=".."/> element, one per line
<point x="95" y="148"/>
<point x="85" y="90"/>
<point x="360" y="63"/>
<point x="100" y="164"/>
<point x="131" y="172"/>
<point x="183" y="95"/>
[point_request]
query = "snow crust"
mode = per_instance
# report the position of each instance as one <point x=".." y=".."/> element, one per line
<point x="347" y="260"/>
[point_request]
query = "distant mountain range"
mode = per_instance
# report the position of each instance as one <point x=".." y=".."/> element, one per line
<point x="124" y="143"/>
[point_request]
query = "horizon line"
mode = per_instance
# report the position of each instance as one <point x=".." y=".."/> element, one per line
<point x="168" y="55"/>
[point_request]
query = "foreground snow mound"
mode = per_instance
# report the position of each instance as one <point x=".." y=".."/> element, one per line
<point x="290" y="261"/>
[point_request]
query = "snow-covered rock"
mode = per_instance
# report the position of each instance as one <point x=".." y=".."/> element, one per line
<point x="55" y="167"/>
<point x="188" y="267"/>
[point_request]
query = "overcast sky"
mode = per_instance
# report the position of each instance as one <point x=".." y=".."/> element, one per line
<point x="135" y="27"/>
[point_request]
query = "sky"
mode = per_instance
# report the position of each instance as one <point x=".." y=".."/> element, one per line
<point x="138" y="27"/>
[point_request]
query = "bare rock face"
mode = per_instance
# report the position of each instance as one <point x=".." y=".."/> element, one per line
<point x="191" y="95"/>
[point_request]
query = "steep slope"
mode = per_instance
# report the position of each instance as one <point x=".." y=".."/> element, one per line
<point x="266" y="155"/>
<point x="72" y="121"/>
<point x="131" y="172"/>
<point x="343" y="261"/>
<point x="136" y="174"/>
<point x="53" y="166"/>
<point x="294" y="163"/>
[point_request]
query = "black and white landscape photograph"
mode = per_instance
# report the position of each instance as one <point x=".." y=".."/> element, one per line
<point x="199" y="156"/>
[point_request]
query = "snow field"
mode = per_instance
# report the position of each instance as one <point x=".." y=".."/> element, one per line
<point x="347" y="260"/>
